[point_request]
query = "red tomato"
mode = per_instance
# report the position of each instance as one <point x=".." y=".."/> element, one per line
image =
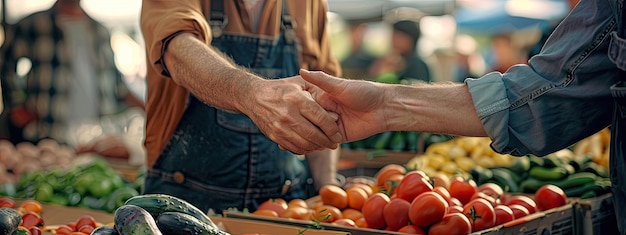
<point x="63" y="230"/>
<point x="391" y="184"/>
<point x="551" y="197"/>
<point x="503" y="214"/>
<point x="443" y="192"/>
<point x="427" y="209"/>
<point x="480" y="214"/>
<point x="482" y="195"/>
<point x="276" y="204"/>
<point x="456" y="202"/>
<point x="396" y="213"/>
<point x="345" y="222"/>
<point x="31" y="219"/>
<point x="85" y="220"/>
<point x="413" y="184"/>
<point x="387" y="171"/>
<point x="86" y="229"/>
<point x="35" y="231"/>
<point x="519" y="211"/>
<point x="451" y="224"/>
<point x="373" y="210"/>
<point x="462" y="189"/>
<point x="455" y="208"/>
<point x="492" y="190"/>
<point x="412" y="229"/>
<point x="525" y="201"/>
<point x="7" y="202"/>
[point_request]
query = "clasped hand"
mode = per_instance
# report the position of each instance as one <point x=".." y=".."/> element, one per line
<point x="315" y="111"/>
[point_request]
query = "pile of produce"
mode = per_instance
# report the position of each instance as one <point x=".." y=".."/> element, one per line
<point x="397" y="141"/>
<point x="91" y="184"/>
<point x="52" y="173"/>
<point x="22" y="219"/>
<point x="457" y="186"/>
<point x="409" y="201"/>
<point x="24" y="157"/>
<point x="159" y="214"/>
<point x="458" y="156"/>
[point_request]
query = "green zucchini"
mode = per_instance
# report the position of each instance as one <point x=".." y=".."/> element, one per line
<point x="383" y="140"/>
<point x="576" y="180"/>
<point x="397" y="142"/>
<point x="134" y="220"/>
<point x="507" y="179"/>
<point x="178" y="223"/>
<point x="543" y="173"/>
<point x="531" y="185"/>
<point x="10" y="219"/>
<point x="157" y="204"/>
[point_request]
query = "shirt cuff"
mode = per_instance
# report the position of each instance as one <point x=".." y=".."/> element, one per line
<point x="492" y="104"/>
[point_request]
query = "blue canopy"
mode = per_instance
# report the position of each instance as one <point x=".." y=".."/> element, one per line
<point x="504" y="16"/>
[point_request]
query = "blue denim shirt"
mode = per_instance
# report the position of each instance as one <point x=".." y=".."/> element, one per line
<point x="562" y="95"/>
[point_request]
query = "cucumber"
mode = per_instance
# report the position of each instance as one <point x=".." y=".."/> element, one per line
<point x="535" y="161"/>
<point x="397" y="142"/>
<point x="531" y="185"/>
<point x="105" y="230"/>
<point x="10" y="219"/>
<point x="382" y="140"/>
<point x="600" y="186"/>
<point x="134" y="220"/>
<point x="575" y="180"/>
<point x="520" y="164"/>
<point x="178" y="223"/>
<point x="505" y="179"/>
<point x="579" y="161"/>
<point x="411" y="141"/>
<point x="543" y="173"/>
<point x="156" y="204"/>
<point x="595" y="168"/>
<point x="481" y="174"/>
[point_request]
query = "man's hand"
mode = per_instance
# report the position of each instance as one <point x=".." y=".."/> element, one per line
<point x="287" y="114"/>
<point x="358" y="103"/>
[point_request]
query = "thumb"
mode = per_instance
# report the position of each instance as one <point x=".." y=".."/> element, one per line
<point x="320" y="79"/>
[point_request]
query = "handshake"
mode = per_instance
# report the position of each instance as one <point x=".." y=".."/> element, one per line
<point x="324" y="111"/>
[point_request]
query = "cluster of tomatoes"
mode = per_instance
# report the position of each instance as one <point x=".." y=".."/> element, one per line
<point x="30" y="211"/>
<point x="33" y="223"/>
<point x="442" y="205"/>
<point x="414" y="203"/>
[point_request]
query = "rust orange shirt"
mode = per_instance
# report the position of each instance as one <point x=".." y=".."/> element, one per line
<point x="161" y="20"/>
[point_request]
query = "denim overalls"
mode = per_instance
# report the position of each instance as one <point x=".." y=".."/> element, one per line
<point x="217" y="159"/>
<point x="617" y="54"/>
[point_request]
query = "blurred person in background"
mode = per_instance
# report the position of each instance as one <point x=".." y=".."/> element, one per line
<point x="357" y="63"/>
<point x="403" y="60"/>
<point x="572" y="89"/>
<point x="72" y="77"/>
<point x="219" y="117"/>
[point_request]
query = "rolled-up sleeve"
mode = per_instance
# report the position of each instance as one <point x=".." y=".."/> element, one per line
<point x="162" y="20"/>
<point x="561" y="96"/>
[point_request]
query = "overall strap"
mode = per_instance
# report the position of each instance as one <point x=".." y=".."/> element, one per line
<point x="218" y="20"/>
<point x="288" y="24"/>
<point x="621" y="31"/>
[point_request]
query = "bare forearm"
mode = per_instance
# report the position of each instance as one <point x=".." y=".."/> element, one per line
<point x="441" y="108"/>
<point x="323" y="166"/>
<point x="207" y="73"/>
